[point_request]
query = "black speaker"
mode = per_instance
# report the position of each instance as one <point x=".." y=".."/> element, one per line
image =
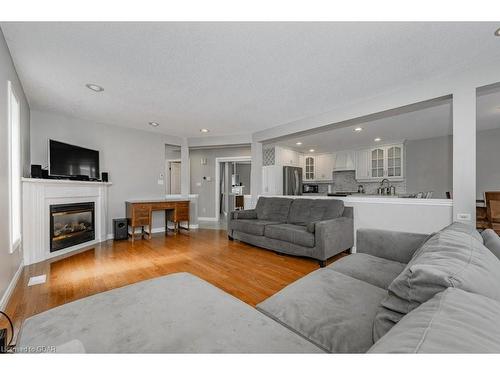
<point x="104" y="176"/>
<point x="120" y="229"/>
<point x="45" y="173"/>
<point x="36" y="171"/>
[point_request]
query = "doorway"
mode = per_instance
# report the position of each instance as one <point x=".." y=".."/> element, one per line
<point x="175" y="177"/>
<point x="172" y="169"/>
<point x="232" y="176"/>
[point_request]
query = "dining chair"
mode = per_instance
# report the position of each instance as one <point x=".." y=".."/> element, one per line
<point x="492" y="199"/>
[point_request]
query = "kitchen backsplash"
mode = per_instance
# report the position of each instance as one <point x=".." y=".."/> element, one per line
<point x="346" y="181"/>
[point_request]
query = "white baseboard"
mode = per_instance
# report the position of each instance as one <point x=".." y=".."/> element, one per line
<point x="8" y="292"/>
<point x="200" y="218"/>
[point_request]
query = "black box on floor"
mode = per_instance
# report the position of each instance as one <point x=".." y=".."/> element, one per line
<point x="120" y="229"/>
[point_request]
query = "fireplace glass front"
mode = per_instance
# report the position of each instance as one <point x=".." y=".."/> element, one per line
<point x="71" y="224"/>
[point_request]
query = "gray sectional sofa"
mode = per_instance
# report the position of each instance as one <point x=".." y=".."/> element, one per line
<point x="314" y="228"/>
<point x="401" y="292"/>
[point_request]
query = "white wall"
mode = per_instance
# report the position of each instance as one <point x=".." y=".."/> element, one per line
<point x="134" y="158"/>
<point x="9" y="263"/>
<point x="206" y="190"/>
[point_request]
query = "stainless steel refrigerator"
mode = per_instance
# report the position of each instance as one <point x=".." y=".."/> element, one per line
<point x="292" y="181"/>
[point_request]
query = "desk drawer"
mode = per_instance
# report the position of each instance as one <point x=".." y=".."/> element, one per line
<point x="141" y="215"/>
<point x="182" y="215"/>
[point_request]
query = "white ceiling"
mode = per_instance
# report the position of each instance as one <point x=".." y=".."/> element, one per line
<point x="429" y="122"/>
<point x="233" y="78"/>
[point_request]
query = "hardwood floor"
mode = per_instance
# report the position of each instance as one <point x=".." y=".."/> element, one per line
<point x="248" y="273"/>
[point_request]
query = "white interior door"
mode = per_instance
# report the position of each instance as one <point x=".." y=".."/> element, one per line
<point x="175" y="177"/>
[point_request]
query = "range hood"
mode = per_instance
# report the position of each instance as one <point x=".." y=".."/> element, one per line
<point x="344" y="161"/>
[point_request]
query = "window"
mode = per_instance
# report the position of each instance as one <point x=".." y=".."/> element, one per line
<point x="14" y="121"/>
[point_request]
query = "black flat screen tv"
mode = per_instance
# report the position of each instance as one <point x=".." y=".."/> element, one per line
<point x="66" y="160"/>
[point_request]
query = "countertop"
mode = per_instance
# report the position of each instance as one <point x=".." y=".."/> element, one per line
<point x="380" y="199"/>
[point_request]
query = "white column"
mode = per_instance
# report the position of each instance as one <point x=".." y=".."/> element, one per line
<point x="256" y="172"/>
<point x="464" y="155"/>
<point x="185" y="169"/>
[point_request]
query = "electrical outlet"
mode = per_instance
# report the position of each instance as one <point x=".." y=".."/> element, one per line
<point x="464" y="217"/>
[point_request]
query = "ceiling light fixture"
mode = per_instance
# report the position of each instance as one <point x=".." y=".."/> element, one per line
<point x="94" y="87"/>
<point x="358" y="129"/>
<point x="204" y="130"/>
<point x="497" y="32"/>
<point x="299" y="143"/>
<point x="377" y="139"/>
<point x="152" y="123"/>
<point x="311" y="150"/>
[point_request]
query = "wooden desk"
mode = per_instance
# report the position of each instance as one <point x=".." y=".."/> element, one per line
<point x="140" y="214"/>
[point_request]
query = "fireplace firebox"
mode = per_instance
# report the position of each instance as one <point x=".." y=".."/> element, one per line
<point x="71" y="224"/>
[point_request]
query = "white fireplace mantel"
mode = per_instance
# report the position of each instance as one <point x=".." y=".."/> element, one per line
<point x="39" y="194"/>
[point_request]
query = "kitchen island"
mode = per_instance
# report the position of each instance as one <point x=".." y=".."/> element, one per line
<point x="393" y="213"/>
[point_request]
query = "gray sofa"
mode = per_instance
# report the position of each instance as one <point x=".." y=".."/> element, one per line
<point x="400" y="292"/>
<point x="314" y="228"/>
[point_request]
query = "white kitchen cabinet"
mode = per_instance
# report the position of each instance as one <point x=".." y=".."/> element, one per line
<point x="380" y="162"/>
<point x="286" y="157"/>
<point x="362" y="165"/>
<point x="344" y="161"/>
<point x="309" y="168"/>
<point x="272" y="180"/>
<point x="324" y="167"/>
<point x="318" y="168"/>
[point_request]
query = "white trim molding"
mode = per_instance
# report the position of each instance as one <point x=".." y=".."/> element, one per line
<point x="10" y="288"/>
<point x="39" y="194"/>
<point x="202" y="218"/>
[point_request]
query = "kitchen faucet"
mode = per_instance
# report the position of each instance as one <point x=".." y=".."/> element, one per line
<point x="386" y="190"/>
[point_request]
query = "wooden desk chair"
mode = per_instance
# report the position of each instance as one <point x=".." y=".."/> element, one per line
<point x="492" y="199"/>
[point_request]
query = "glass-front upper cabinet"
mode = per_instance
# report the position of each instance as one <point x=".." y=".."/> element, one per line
<point x="309" y="168"/>
<point x="394" y="161"/>
<point x="377" y="167"/>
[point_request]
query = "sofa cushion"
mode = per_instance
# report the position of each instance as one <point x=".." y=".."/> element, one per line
<point x="466" y="229"/>
<point x="374" y="270"/>
<point x="305" y="211"/>
<point x="296" y="234"/>
<point x="245" y="214"/>
<point x="250" y="226"/>
<point x="492" y="241"/>
<point x="453" y="321"/>
<point x="451" y="258"/>
<point x="273" y="209"/>
<point x="330" y="309"/>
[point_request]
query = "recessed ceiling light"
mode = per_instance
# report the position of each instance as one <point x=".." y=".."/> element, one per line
<point x="377" y="139"/>
<point x="357" y="130"/>
<point x="204" y="130"/>
<point x="311" y="150"/>
<point x="298" y="143"/>
<point x="152" y="123"/>
<point x="94" y="87"/>
<point x="497" y="32"/>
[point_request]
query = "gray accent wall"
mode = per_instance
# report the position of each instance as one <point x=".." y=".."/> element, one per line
<point x="206" y="190"/>
<point x="429" y="166"/>
<point x="135" y="159"/>
<point x="9" y="263"/>
<point x="488" y="161"/>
